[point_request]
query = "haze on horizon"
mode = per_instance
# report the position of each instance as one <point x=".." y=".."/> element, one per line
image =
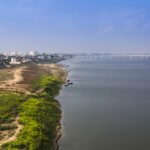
<point x="119" y="26"/>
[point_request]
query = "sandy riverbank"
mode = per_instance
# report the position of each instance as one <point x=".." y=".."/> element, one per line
<point x="7" y="138"/>
<point x="22" y="79"/>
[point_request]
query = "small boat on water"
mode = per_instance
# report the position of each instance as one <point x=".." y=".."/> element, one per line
<point x="68" y="80"/>
<point x="71" y="83"/>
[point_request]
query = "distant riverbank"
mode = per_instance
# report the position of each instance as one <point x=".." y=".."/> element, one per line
<point x="38" y="112"/>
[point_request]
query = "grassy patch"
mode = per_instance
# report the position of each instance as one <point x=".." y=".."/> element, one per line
<point x="40" y="116"/>
<point x="9" y="106"/>
<point x="50" y="85"/>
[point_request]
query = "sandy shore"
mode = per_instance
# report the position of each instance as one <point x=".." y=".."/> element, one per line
<point x="56" y="70"/>
<point x="17" y="77"/>
<point x="14" y="136"/>
<point x="12" y="84"/>
<point x="21" y="80"/>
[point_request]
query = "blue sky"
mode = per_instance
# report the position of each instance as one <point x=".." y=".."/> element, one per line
<point x="75" y="25"/>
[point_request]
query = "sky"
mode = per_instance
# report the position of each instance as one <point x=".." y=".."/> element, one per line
<point x="116" y="26"/>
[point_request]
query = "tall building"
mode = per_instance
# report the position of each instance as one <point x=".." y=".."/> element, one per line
<point x="32" y="53"/>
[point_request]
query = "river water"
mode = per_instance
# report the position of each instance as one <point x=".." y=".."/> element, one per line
<point x="107" y="107"/>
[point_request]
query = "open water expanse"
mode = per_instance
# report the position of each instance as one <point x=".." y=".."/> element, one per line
<point x="107" y="107"/>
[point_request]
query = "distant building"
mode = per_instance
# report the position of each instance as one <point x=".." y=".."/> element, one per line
<point x="20" y="53"/>
<point x="14" y="61"/>
<point x="41" y="57"/>
<point x="32" y="53"/>
<point x="12" y="53"/>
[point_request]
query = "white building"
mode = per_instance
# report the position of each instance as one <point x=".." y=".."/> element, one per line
<point x="32" y="53"/>
<point x="14" y="61"/>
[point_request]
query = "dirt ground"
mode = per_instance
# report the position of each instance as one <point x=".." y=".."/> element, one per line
<point x="21" y="78"/>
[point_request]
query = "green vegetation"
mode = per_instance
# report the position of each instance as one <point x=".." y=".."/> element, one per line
<point x="39" y="116"/>
<point x="49" y="84"/>
<point x="9" y="106"/>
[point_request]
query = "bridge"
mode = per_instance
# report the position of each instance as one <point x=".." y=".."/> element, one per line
<point x="112" y="57"/>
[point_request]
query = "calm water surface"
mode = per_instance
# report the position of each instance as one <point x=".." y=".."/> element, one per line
<point x="107" y="108"/>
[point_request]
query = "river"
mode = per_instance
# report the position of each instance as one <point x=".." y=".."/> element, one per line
<point x="107" y="107"/>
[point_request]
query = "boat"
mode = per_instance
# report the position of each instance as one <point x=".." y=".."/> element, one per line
<point x="71" y="83"/>
<point x="68" y="80"/>
<point x="66" y="85"/>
